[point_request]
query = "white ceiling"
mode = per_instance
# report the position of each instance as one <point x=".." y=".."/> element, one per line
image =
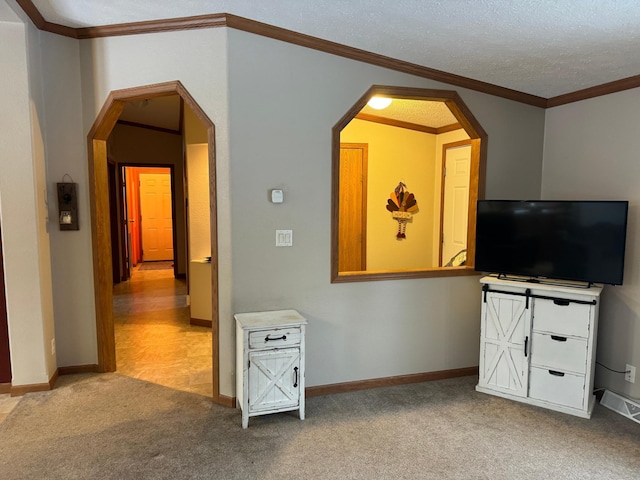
<point x="541" y="47"/>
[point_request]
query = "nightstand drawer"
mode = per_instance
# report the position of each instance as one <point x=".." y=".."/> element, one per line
<point x="559" y="353"/>
<point x="557" y="387"/>
<point x="562" y="317"/>
<point x="275" y="338"/>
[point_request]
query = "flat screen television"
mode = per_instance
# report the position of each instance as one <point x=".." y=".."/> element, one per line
<point x="582" y="241"/>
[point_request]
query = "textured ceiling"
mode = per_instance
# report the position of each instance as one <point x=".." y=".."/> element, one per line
<point x="541" y="47"/>
<point x="420" y="112"/>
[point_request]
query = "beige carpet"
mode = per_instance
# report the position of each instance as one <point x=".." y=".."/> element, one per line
<point x="111" y="426"/>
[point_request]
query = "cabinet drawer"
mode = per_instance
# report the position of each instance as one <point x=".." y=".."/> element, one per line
<point x="557" y="387"/>
<point x="275" y="338"/>
<point x="571" y="319"/>
<point x="559" y="353"/>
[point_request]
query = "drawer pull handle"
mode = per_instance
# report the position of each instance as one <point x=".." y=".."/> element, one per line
<point x="558" y="338"/>
<point x="561" y="302"/>
<point x="526" y="340"/>
<point x="555" y="373"/>
<point x="267" y="338"/>
<point x="295" y="382"/>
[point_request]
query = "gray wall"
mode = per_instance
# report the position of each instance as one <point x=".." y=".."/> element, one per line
<point x="71" y="254"/>
<point x="590" y="152"/>
<point x="283" y="102"/>
<point x="273" y="105"/>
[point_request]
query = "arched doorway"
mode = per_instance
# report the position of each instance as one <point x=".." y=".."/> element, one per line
<point x="100" y="221"/>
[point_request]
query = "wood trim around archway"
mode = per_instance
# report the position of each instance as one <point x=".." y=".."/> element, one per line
<point x="100" y="221"/>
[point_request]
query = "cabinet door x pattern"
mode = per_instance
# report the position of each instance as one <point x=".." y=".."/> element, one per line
<point x="273" y="379"/>
<point x="505" y="324"/>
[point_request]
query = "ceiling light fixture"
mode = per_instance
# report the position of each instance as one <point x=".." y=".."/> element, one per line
<point x="379" y="103"/>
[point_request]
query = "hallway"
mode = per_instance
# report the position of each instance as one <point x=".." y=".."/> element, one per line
<point x="154" y="340"/>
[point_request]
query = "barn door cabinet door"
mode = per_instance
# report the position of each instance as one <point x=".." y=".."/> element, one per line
<point x="273" y="382"/>
<point x="270" y="363"/>
<point x="506" y="323"/>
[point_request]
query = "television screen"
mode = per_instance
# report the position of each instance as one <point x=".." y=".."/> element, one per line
<point x="580" y="241"/>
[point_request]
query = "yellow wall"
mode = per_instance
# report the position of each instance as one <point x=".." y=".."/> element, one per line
<point x="197" y="161"/>
<point x="194" y="129"/>
<point x="397" y="155"/>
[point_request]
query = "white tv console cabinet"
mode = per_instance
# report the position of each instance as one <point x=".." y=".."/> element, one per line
<point x="538" y="343"/>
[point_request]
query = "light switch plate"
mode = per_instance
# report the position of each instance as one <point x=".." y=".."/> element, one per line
<point x="284" y="238"/>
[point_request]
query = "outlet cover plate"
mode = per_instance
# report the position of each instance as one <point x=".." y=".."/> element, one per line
<point x="630" y="373"/>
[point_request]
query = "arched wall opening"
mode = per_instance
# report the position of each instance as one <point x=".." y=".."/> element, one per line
<point x="100" y="219"/>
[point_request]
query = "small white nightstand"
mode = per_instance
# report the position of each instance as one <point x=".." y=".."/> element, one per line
<point x="269" y="363"/>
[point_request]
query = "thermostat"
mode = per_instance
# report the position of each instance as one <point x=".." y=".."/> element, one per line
<point x="277" y="196"/>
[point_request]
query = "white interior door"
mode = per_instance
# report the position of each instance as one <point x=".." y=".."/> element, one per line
<point x="157" y="221"/>
<point x="456" y="201"/>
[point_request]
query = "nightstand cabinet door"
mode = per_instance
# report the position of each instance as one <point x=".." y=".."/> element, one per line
<point x="274" y="379"/>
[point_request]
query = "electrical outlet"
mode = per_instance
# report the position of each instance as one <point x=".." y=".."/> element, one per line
<point x="53" y="346"/>
<point x="630" y="373"/>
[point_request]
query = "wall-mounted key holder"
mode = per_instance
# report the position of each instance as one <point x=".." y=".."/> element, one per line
<point x="68" y="206"/>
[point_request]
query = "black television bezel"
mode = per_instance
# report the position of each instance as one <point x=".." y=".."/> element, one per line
<point x="535" y="278"/>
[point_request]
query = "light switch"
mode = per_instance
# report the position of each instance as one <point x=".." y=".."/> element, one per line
<point x="284" y="238"/>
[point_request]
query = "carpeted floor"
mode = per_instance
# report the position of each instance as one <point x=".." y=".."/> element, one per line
<point x="114" y="427"/>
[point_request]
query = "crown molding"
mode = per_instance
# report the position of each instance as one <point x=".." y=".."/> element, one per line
<point x="277" y="33"/>
<point x="38" y="20"/>
<point x="153" y="26"/>
<point x="367" y="117"/>
<point x="326" y="46"/>
<point x="407" y="125"/>
<point x="127" y="123"/>
<point x="597" y="91"/>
